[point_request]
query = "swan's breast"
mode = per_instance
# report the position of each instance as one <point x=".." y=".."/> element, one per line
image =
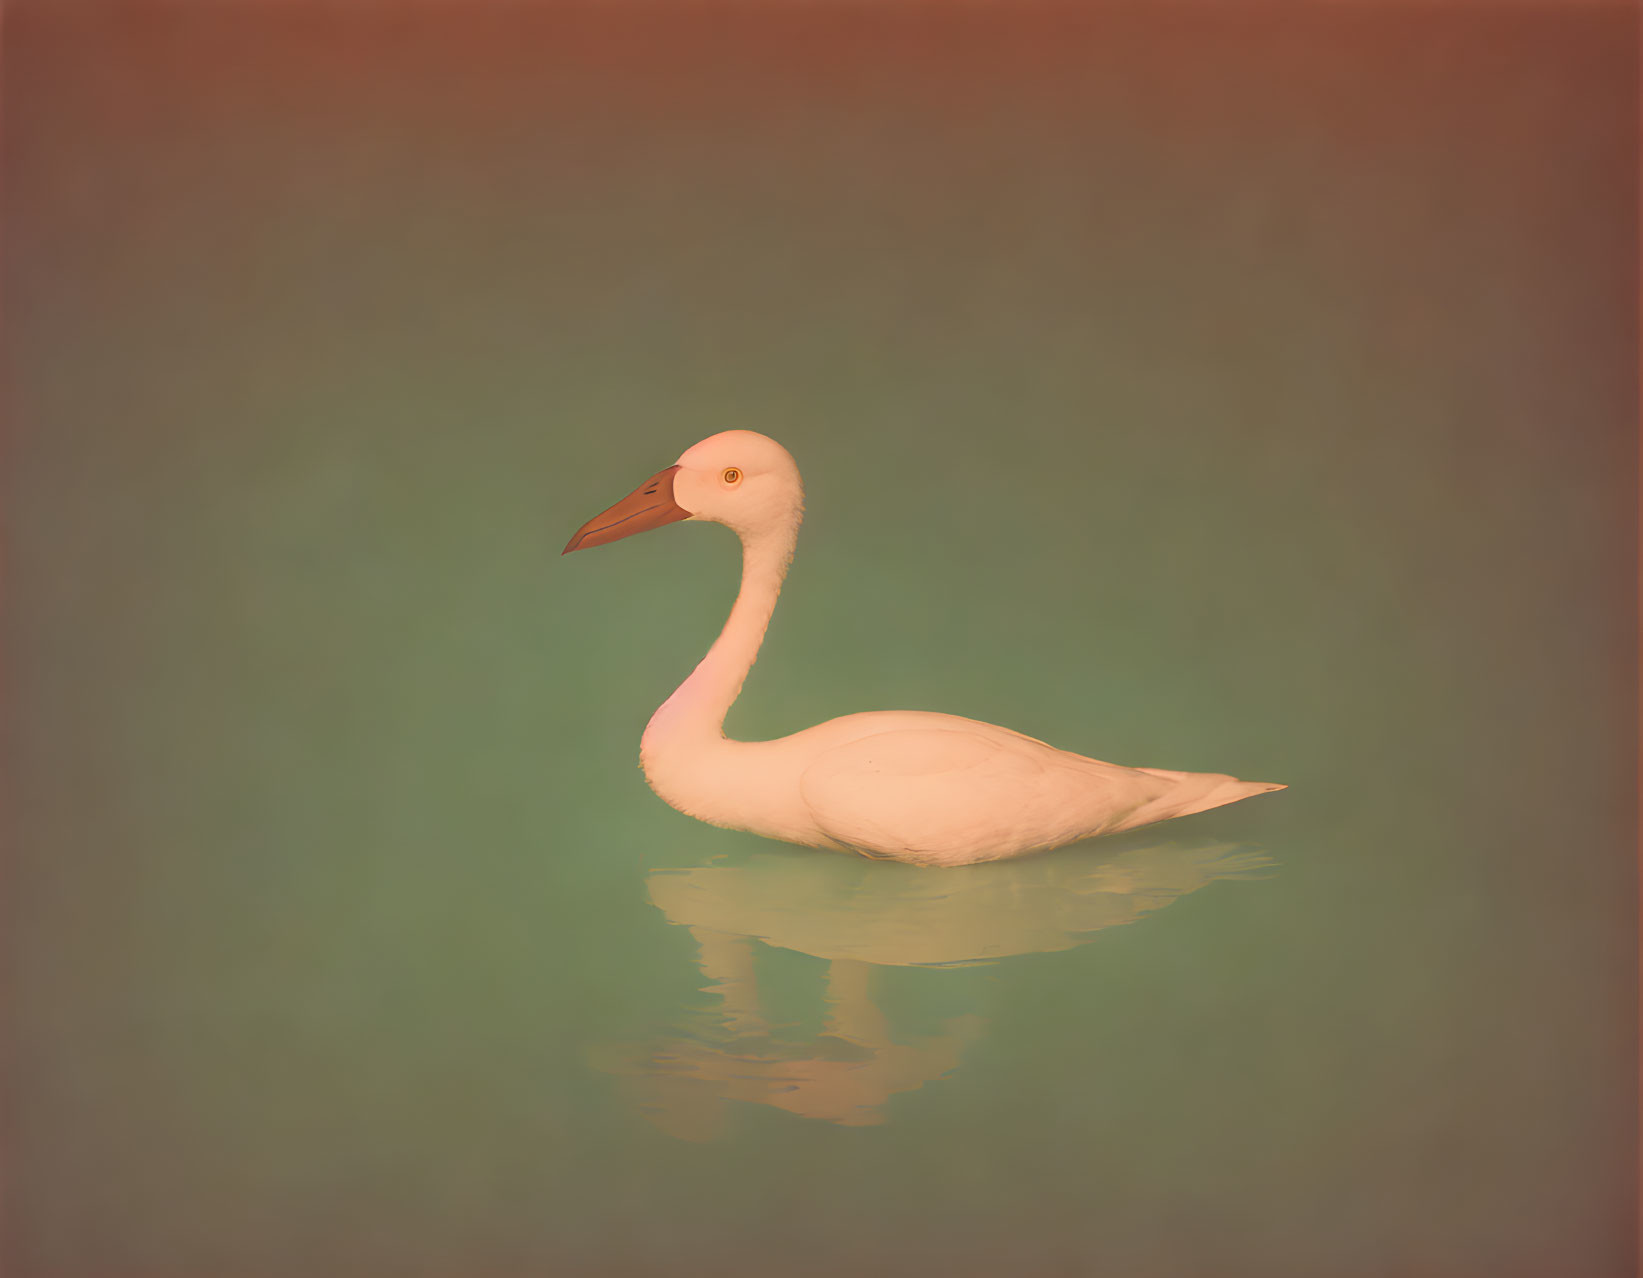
<point x="740" y="785"/>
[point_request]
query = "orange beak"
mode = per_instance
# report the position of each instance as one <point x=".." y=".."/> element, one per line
<point x="648" y="506"/>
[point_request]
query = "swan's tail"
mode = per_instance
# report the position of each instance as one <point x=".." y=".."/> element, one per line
<point x="1197" y="792"/>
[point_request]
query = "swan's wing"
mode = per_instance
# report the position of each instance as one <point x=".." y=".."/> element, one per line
<point x="953" y="795"/>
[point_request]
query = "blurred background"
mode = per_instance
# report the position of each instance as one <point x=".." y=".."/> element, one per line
<point x="1243" y="388"/>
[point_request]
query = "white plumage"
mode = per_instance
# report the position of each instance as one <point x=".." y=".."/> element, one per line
<point x="930" y="789"/>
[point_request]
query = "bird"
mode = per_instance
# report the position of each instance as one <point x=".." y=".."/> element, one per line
<point x="927" y="789"/>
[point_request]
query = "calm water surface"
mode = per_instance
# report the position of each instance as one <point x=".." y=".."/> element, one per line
<point x="1248" y="395"/>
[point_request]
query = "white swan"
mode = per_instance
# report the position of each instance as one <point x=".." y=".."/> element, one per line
<point x="928" y="789"/>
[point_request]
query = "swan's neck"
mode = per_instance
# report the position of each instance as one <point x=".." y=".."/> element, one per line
<point x="696" y="711"/>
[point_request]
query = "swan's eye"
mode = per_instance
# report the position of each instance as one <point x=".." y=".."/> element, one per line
<point x="732" y="475"/>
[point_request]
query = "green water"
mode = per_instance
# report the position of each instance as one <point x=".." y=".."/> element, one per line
<point x="1251" y="394"/>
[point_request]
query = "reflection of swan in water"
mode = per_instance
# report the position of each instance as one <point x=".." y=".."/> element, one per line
<point x="859" y="915"/>
<point x="682" y="1080"/>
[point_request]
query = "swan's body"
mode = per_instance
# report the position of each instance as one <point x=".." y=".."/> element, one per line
<point x="931" y="789"/>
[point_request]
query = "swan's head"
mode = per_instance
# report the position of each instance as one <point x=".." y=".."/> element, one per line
<point x="738" y="478"/>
